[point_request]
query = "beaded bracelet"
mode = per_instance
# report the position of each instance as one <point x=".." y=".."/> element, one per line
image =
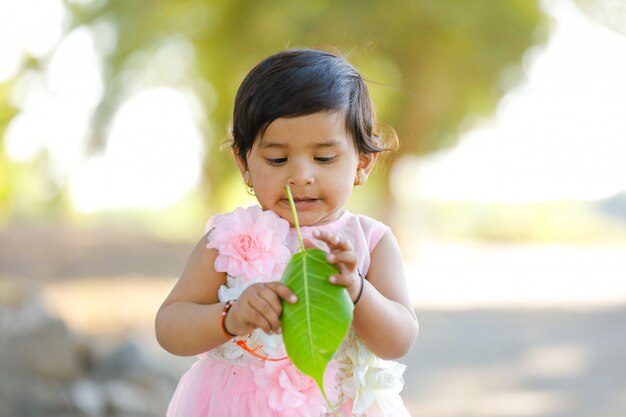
<point x="358" y="297"/>
<point x="242" y="343"/>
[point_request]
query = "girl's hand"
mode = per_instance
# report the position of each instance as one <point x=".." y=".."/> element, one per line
<point x="343" y="256"/>
<point x="259" y="307"/>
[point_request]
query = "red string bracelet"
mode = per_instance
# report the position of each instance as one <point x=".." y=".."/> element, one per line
<point x="227" y="307"/>
<point x="242" y="343"/>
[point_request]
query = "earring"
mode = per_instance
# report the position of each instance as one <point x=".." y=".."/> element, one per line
<point x="249" y="187"/>
<point x="357" y="181"/>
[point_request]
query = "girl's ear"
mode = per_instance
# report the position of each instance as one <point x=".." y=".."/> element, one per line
<point x="241" y="164"/>
<point x="365" y="166"/>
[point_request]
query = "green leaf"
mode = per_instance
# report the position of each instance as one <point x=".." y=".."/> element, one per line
<point x="315" y="326"/>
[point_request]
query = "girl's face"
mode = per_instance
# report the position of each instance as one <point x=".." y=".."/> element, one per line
<point x="315" y="155"/>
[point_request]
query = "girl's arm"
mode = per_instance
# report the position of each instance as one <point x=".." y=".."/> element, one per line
<point x="189" y="321"/>
<point x="383" y="316"/>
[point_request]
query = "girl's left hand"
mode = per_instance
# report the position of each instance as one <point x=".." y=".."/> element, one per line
<point x="343" y="256"/>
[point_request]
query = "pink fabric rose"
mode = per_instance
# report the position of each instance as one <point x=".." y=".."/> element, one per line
<point x="251" y="243"/>
<point x="292" y="393"/>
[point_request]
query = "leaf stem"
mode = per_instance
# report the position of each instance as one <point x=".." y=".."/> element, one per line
<point x="295" y="216"/>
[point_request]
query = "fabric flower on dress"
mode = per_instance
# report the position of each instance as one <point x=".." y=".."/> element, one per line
<point x="251" y="243"/>
<point x="290" y="392"/>
<point x="373" y="384"/>
<point x="232" y="289"/>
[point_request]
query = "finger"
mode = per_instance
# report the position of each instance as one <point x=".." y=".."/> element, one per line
<point x="271" y="295"/>
<point x="323" y="236"/>
<point x="256" y="311"/>
<point x="345" y="260"/>
<point x="272" y="299"/>
<point x="266" y="317"/>
<point x="283" y="291"/>
<point x="333" y="241"/>
<point x="344" y="280"/>
<point x="308" y="244"/>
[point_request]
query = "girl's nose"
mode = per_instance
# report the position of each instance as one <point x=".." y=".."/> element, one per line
<point x="301" y="175"/>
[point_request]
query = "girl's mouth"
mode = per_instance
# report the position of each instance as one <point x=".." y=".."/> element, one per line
<point x="302" y="203"/>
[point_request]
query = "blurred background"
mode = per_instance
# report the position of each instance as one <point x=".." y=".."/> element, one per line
<point x="508" y="193"/>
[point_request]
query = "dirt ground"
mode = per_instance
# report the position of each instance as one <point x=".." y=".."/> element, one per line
<point x="565" y="363"/>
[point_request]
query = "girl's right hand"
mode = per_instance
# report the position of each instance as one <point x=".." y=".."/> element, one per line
<point x="259" y="307"/>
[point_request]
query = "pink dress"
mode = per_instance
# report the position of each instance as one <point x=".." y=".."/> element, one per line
<point x="229" y="382"/>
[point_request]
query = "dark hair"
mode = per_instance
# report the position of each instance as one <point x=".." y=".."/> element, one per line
<point x="300" y="82"/>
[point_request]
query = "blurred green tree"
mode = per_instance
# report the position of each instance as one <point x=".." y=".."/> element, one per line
<point x="432" y="63"/>
<point x="7" y="112"/>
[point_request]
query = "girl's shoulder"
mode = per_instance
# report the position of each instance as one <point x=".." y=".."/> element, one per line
<point x="371" y="229"/>
<point x="370" y="222"/>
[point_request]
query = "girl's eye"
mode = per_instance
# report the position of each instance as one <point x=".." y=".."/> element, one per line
<point x="276" y="161"/>
<point x="325" y="159"/>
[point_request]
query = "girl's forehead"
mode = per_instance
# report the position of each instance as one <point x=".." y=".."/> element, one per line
<point x="314" y="130"/>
